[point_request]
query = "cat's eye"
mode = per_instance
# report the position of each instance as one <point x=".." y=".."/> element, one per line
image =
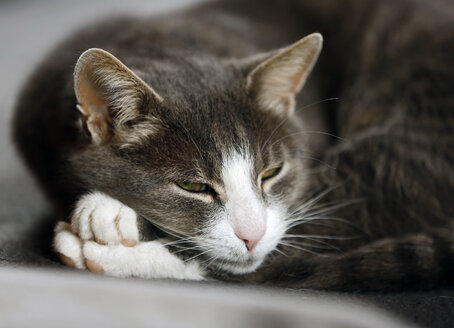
<point x="268" y="174"/>
<point x="193" y="186"/>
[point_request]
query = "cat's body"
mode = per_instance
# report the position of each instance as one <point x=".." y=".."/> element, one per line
<point x="387" y="186"/>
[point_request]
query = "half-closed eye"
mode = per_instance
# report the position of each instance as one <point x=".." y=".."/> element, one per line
<point x="194" y="186"/>
<point x="268" y="174"/>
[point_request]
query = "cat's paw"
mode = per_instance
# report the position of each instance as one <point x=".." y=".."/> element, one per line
<point x="105" y="220"/>
<point x="149" y="260"/>
<point x="145" y="260"/>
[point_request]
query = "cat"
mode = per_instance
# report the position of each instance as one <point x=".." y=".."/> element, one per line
<point x="190" y="146"/>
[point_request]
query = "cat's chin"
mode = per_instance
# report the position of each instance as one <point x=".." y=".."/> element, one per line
<point x="239" y="267"/>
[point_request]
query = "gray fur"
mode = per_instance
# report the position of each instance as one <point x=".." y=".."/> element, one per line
<point x="393" y="76"/>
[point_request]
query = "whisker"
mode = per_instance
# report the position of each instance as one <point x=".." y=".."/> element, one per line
<point x="322" y="242"/>
<point x="209" y="259"/>
<point x="213" y="258"/>
<point x="340" y="203"/>
<point x="286" y="243"/>
<point x="280" y="252"/>
<point x="297" y="110"/>
<point x="316" y="103"/>
<point x="318" y="161"/>
<point x="325" y="245"/>
<point x="309" y="132"/>
<point x="317" y="197"/>
<point x="323" y="237"/>
<point x="313" y="212"/>
<point x="172" y="231"/>
<point x="316" y="220"/>
<point x="176" y="242"/>
<point x="191" y="138"/>
<point x="188" y="249"/>
<point x="304" y="210"/>
<point x="195" y="256"/>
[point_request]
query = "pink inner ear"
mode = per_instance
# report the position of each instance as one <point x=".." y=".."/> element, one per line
<point x="93" y="107"/>
<point x="89" y="98"/>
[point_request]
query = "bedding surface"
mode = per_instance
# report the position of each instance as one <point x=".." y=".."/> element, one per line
<point x="35" y="286"/>
<point x="51" y="299"/>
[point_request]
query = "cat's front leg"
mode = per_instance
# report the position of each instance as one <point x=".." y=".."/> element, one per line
<point x="103" y="237"/>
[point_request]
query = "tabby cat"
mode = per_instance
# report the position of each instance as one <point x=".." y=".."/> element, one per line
<point x="180" y="146"/>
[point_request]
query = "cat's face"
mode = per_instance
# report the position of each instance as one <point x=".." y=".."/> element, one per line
<point x="220" y="178"/>
<point x="218" y="168"/>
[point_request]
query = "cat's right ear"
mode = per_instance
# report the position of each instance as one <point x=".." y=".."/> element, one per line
<point x="279" y="76"/>
<point x="109" y="94"/>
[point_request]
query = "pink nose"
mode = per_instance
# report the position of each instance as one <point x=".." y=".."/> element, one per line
<point x="251" y="237"/>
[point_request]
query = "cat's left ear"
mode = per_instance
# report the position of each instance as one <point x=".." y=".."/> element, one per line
<point x="276" y="80"/>
<point x="110" y="96"/>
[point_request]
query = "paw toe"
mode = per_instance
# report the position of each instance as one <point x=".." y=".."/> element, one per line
<point x="66" y="260"/>
<point x="104" y="225"/>
<point x="105" y="220"/>
<point x="127" y="225"/>
<point x="68" y="246"/>
<point x="94" y="267"/>
<point x="129" y="242"/>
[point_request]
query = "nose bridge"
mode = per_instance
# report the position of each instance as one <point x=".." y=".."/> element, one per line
<point x="245" y="210"/>
<point x="248" y="218"/>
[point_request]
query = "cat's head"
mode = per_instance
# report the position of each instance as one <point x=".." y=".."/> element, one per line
<point x="208" y="150"/>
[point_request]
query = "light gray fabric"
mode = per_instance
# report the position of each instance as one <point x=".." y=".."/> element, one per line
<point x="32" y="298"/>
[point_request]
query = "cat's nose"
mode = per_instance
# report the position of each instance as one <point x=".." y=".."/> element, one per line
<point x="250" y="244"/>
<point x="251" y="236"/>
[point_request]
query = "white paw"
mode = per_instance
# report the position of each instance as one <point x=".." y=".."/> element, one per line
<point x="145" y="260"/>
<point x="105" y="220"/>
<point x="103" y="237"/>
